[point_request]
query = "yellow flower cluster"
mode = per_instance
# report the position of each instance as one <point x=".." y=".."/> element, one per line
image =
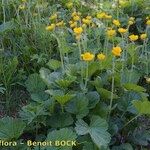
<point x="73" y="24"/>
<point x="87" y="20"/>
<point x="87" y="56"/>
<point x="76" y="16"/>
<point x="103" y="15"/>
<point x="54" y="23"/>
<point x="69" y="5"/>
<point x="131" y="21"/>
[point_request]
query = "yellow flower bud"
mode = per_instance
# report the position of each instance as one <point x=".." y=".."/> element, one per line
<point x="101" y="56"/>
<point x="143" y="36"/>
<point x="50" y="27"/>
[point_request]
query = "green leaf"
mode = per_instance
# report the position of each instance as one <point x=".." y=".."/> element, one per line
<point x="62" y="135"/>
<point x="141" y="137"/>
<point x="131" y="49"/>
<point x="7" y="26"/>
<point x="93" y="67"/>
<point x="142" y="106"/>
<point x="89" y="146"/>
<point x="29" y="113"/>
<point x="61" y="97"/>
<point x="48" y="77"/>
<point x="93" y="98"/>
<point x="125" y="146"/>
<point x="35" y="84"/>
<point x="105" y="94"/>
<point x="134" y="87"/>
<point x="54" y="64"/>
<point x="39" y="97"/>
<point x="130" y="76"/>
<point x="97" y="130"/>
<point x="11" y="128"/>
<point x="66" y="82"/>
<point x="60" y="120"/>
<point x="78" y="106"/>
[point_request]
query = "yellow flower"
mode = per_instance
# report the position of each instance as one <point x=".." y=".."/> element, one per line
<point x="117" y="51"/>
<point x="50" y="27"/>
<point x="87" y="56"/>
<point x="147" y="80"/>
<point x="116" y="22"/>
<point x="78" y="30"/>
<point x="61" y="23"/>
<point x="122" y="30"/>
<point x="143" y="36"/>
<point x="53" y="17"/>
<point x="133" y="37"/>
<point x="130" y="22"/>
<point x="86" y="21"/>
<point x="132" y="18"/>
<point x="101" y="56"/>
<point x="111" y="32"/>
<point x="101" y="15"/>
<point x="74" y="14"/>
<point x="108" y="16"/>
<point x="73" y="24"/>
<point x="148" y="22"/>
<point x="22" y="7"/>
<point x="69" y="5"/>
<point x="76" y="18"/>
<point x="88" y="17"/>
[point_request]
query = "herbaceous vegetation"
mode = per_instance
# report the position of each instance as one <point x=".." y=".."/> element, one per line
<point x="75" y="70"/>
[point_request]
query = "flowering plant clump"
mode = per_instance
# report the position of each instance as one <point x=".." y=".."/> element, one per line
<point x="75" y="75"/>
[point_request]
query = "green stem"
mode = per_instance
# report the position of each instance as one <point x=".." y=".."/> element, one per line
<point x="112" y="87"/>
<point x="131" y="120"/>
<point x="79" y="46"/>
<point x="87" y="72"/>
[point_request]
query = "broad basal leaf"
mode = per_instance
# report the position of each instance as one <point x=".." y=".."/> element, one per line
<point x="105" y="94"/>
<point x="35" y="84"/>
<point x="97" y="130"/>
<point x="93" y="98"/>
<point x="61" y="135"/>
<point x="54" y="64"/>
<point x="143" y="107"/>
<point x="11" y="128"/>
<point x="78" y="106"/>
<point x="60" y="120"/>
<point x="134" y="87"/>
